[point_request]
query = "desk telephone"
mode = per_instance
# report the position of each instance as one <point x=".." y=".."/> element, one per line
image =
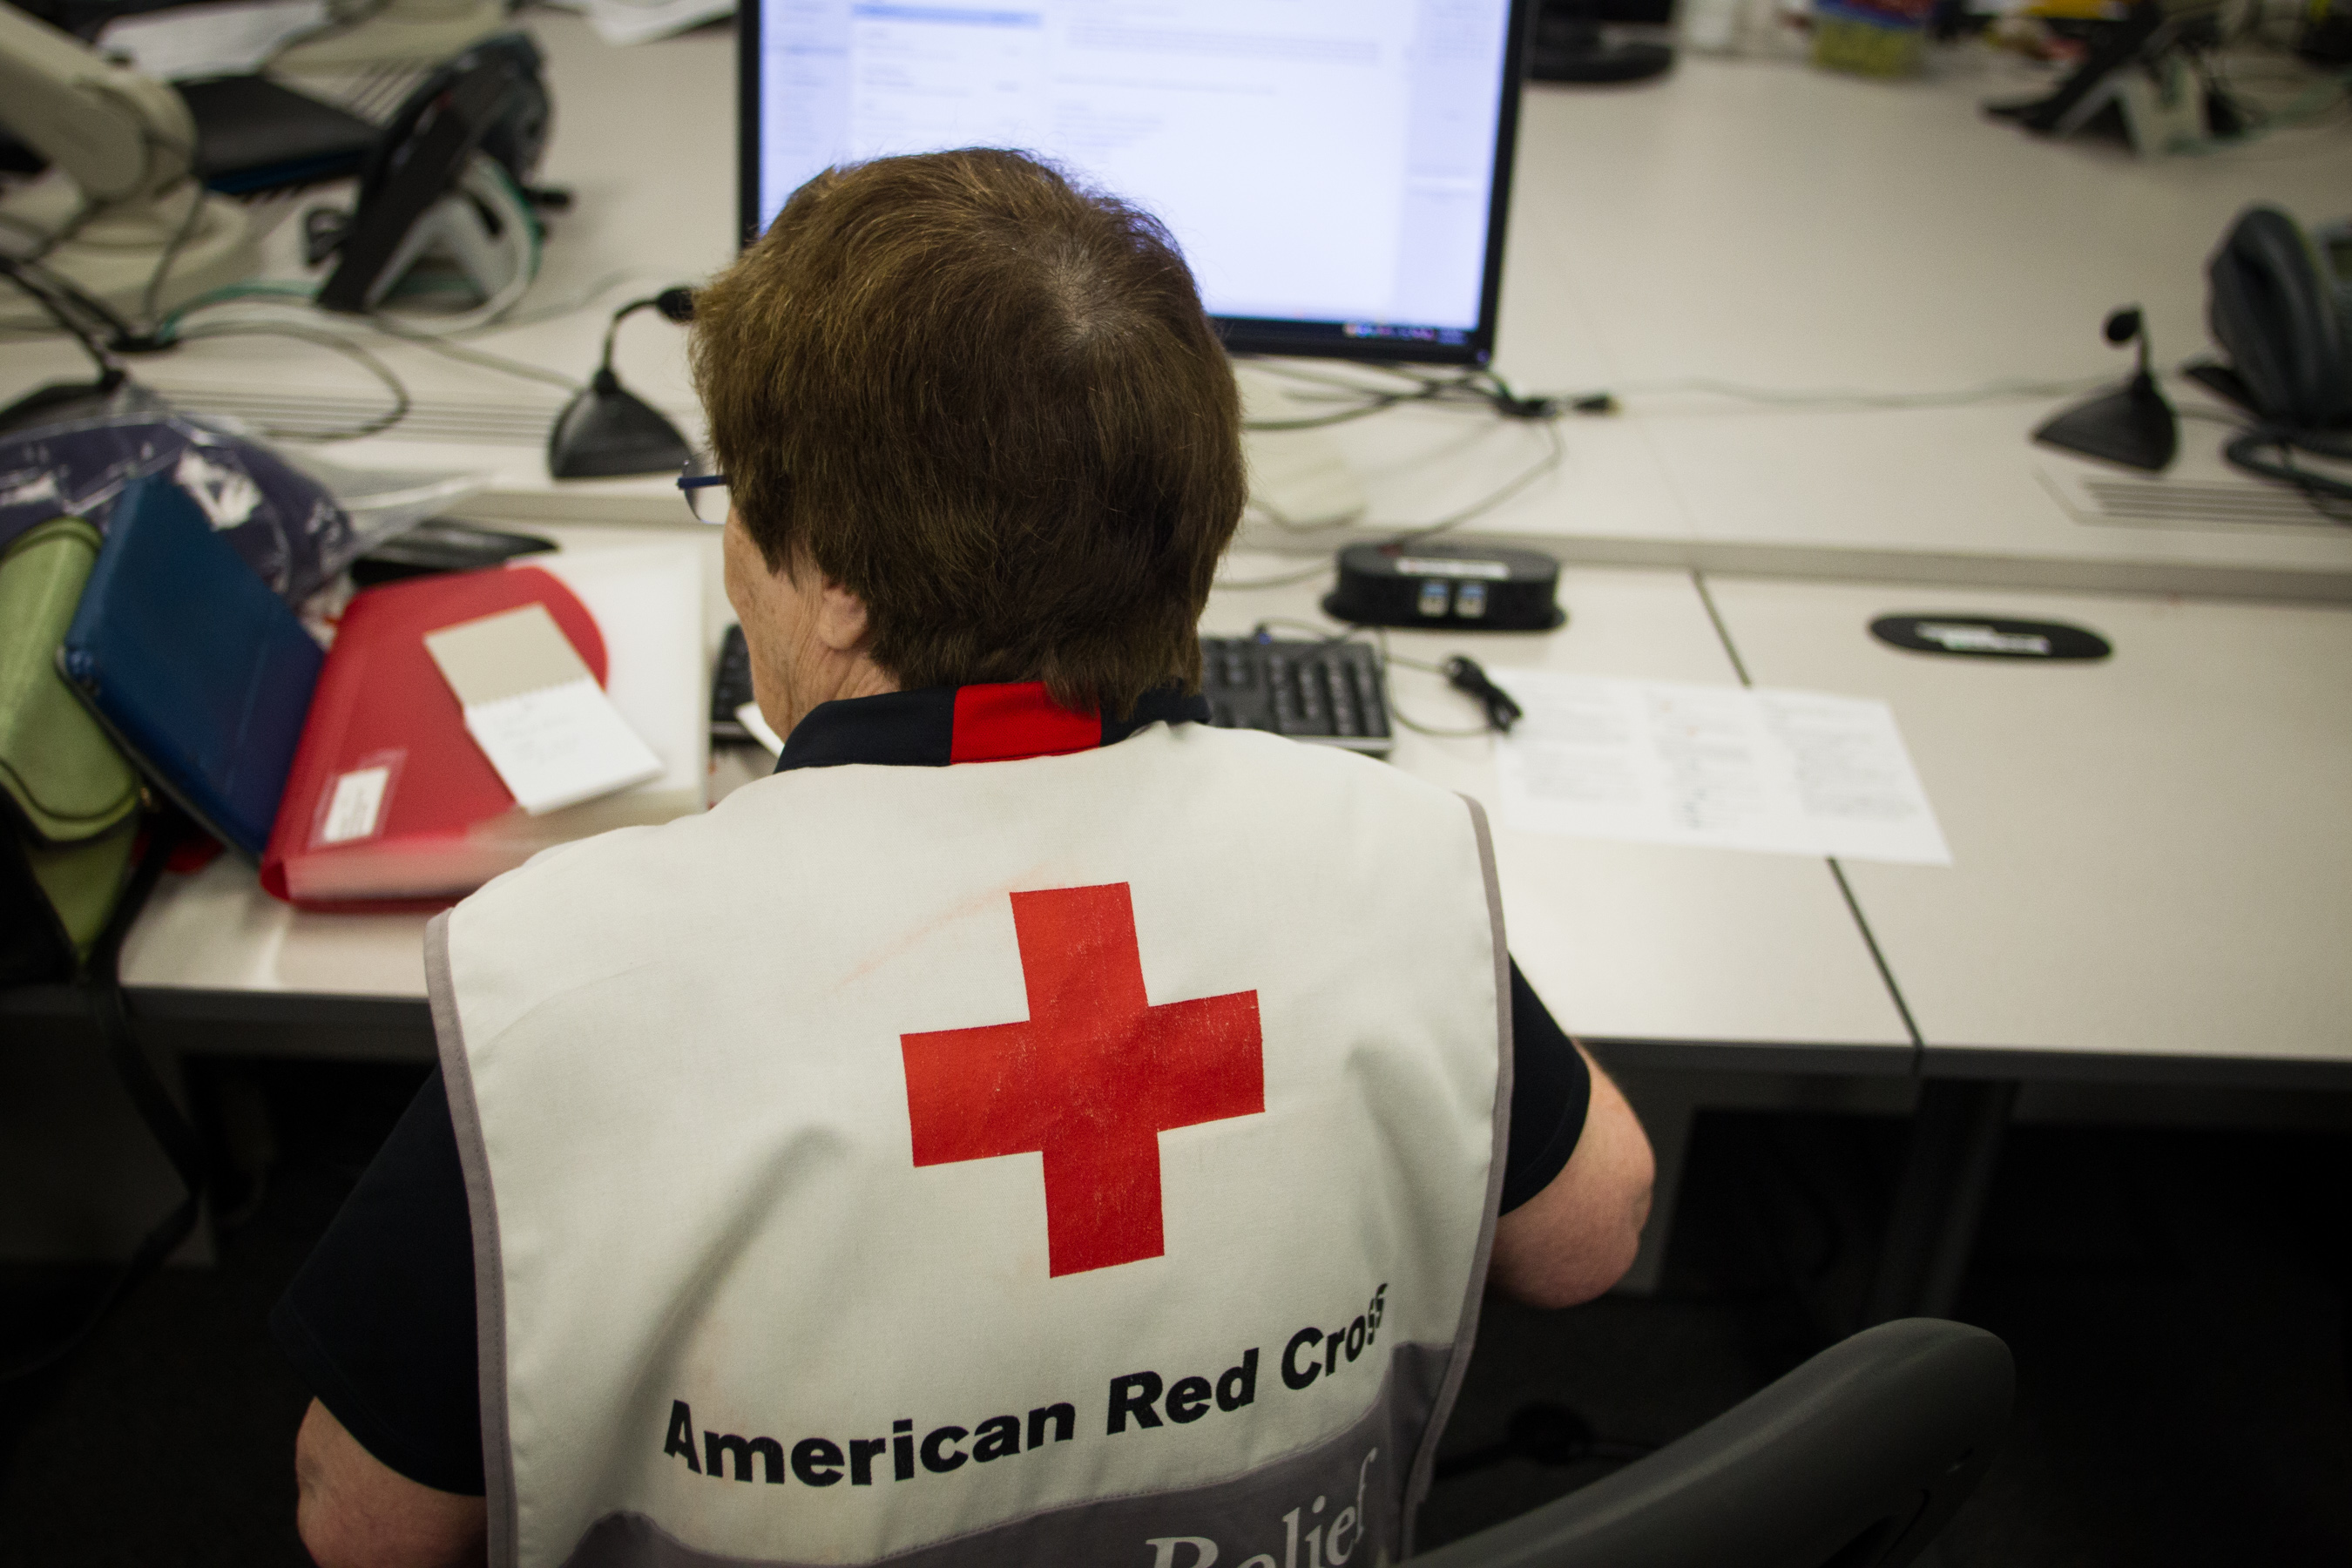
<point x="449" y="181"/>
<point x="2281" y="307"/>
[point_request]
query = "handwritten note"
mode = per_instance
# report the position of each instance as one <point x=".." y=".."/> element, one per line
<point x="537" y="712"/>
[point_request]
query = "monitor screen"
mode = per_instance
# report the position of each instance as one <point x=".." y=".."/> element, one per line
<point x="1336" y="171"/>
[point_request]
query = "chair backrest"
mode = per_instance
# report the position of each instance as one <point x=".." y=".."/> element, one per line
<point x="1853" y="1460"/>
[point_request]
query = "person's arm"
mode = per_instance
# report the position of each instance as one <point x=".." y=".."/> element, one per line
<point x="1576" y="1237"/>
<point x="355" y="1512"/>
<point x="380" y="1322"/>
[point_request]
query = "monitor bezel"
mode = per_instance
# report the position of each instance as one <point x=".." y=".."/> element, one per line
<point x="1242" y="335"/>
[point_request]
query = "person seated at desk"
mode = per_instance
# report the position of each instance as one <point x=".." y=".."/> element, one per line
<point x="720" y="1234"/>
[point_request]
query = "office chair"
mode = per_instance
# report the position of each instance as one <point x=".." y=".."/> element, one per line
<point x="1854" y="1460"/>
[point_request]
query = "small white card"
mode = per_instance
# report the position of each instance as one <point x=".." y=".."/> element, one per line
<point x="1790" y="772"/>
<point x="537" y="712"/>
<point x="356" y="804"/>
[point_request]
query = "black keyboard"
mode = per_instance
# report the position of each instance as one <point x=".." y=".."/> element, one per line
<point x="1328" y="692"/>
<point x="730" y="688"/>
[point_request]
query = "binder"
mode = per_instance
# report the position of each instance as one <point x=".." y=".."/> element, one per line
<point x="390" y="804"/>
<point x="199" y="671"/>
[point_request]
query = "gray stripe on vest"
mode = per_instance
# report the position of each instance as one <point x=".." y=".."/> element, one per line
<point x="1473" y="1295"/>
<point x="1264" y="1514"/>
<point x="490" y="1272"/>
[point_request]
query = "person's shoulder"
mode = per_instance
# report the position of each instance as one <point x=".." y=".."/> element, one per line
<point x="623" y="864"/>
<point x="1309" y="765"/>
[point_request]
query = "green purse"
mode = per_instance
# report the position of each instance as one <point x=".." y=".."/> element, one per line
<point x="71" y="811"/>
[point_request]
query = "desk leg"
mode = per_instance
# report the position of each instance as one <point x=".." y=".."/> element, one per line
<point x="1955" y="1142"/>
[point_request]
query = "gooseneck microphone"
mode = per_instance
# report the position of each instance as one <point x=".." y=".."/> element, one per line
<point x="2133" y="425"/>
<point x="2122" y="327"/>
<point x="676" y="304"/>
<point x="607" y="430"/>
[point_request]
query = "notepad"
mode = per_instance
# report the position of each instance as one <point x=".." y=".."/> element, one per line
<point x="536" y="711"/>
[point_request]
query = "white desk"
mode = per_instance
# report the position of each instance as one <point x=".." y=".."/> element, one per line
<point x="1672" y="957"/>
<point x="2151" y="861"/>
<point x="1740" y="221"/>
<point x="1749" y="221"/>
<point x="1756" y="222"/>
<point x="1767" y="223"/>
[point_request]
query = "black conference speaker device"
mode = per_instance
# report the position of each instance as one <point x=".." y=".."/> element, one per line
<point x="1460" y="587"/>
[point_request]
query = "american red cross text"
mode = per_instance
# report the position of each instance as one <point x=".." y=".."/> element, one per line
<point x="1090" y="1080"/>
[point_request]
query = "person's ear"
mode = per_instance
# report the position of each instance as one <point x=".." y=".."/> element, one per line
<point x="842" y="624"/>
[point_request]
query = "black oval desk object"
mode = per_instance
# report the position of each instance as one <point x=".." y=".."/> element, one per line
<point x="1984" y="636"/>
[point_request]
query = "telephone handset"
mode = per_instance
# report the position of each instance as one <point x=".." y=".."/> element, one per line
<point x="2280" y="307"/>
<point x="448" y="177"/>
<point x="514" y="128"/>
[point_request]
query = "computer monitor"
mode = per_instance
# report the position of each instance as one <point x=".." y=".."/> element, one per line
<point x="1336" y="171"/>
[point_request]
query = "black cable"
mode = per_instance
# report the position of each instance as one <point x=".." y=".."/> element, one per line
<point x="94" y="309"/>
<point x="148" y="297"/>
<point x="45" y="243"/>
<point x="1381" y="640"/>
<point x="1473" y="388"/>
<point x="2330" y="498"/>
<point x="1464" y="674"/>
<point x="401" y="401"/>
<point x="376" y="322"/>
<point x="1556" y="454"/>
<point x="1263" y="631"/>
<point x="126" y="337"/>
<point x="467" y="354"/>
<point x="110" y="374"/>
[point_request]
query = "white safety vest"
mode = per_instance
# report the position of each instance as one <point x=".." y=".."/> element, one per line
<point x="1090" y="1159"/>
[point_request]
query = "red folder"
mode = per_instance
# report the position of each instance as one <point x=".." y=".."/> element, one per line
<point x="382" y="703"/>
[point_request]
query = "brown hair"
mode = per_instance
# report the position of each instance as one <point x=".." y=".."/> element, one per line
<point x="990" y="405"/>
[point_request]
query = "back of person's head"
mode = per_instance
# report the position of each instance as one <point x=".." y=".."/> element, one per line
<point x="988" y="403"/>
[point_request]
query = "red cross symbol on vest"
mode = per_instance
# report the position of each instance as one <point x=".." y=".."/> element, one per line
<point x="1090" y="1080"/>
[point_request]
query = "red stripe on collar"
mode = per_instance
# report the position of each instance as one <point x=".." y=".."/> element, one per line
<point x="1005" y="724"/>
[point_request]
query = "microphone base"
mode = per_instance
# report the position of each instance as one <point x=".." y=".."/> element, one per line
<point x="609" y="432"/>
<point x="2132" y="425"/>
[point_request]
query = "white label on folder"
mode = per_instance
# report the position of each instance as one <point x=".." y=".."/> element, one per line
<point x="357" y="803"/>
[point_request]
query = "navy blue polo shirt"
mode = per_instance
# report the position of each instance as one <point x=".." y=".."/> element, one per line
<point x="380" y="1320"/>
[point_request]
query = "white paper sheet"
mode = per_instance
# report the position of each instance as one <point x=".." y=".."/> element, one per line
<point x="1788" y="772"/>
<point x="192" y="41"/>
